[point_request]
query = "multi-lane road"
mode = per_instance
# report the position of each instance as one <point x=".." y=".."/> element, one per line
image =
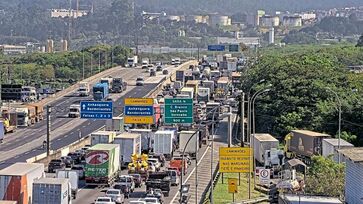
<point x="26" y="143"/>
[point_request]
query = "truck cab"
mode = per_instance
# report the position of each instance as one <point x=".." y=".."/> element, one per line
<point x="28" y="94"/>
<point x="100" y="92"/>
<point x="83" y="89"/>
<point x="118" y="85"/>
<point x="74" y="111"/>
<point x="22" y="117"/>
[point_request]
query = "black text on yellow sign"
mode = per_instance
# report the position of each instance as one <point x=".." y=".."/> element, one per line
<point x="232" y="185"/>
<point x="235" y="160"/>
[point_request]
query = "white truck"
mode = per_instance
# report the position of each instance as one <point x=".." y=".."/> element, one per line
<point x="28" y="94"/>
<point x="145" y="62"/>
<point x="187" y="91"/>
<point x="193" y="145"/>
<point x="73" y="180"/>
<point x="74" y="111"/>
<point x="130" y="143"/>
<point x="163" y="143"/>
<point x="115" y="124"/>
<point x="261" y="143"/>
<point x="83" y="89"/>
<point x="203" y="94"/>
<point x="177" y="61"/>
<point x="132" y="61"/>
<point x="147" y="137"/>
<point x="52" y="190"/>
<point x="22" y="115"/>
<point x="102" y="137"/>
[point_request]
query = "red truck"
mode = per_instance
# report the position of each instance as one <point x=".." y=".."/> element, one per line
<point x="176" y="163"/>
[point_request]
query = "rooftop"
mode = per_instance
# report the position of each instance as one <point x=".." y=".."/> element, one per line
<point x="353" y="154"/>
<point x="128" y="135"/>
<point x="18" y="169"/>
<point x="311" y="133"/>
<point x="51" y="181"/>
<point x="104" y="146"/>
<point x="265" y="137"/>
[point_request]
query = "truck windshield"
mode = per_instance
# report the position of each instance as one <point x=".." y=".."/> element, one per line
<point x="126" y="179"/>
<point x="74" y="110"/>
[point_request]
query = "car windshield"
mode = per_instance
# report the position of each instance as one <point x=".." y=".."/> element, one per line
<point x="152" y="200"/>
<point x="103" y="199"/>
<point x="139" y="79"/>
<point x="112" y="192"/>
<point x="125" y="179"/>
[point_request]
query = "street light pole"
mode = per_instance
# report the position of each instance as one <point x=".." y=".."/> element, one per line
<point x="339" y="118"/>
<point x="83" y="65"/>
<point x="249" y="109"/>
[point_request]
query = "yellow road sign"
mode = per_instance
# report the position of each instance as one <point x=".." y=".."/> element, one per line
<point x="232" y="185"/>
<point x="235" y="159"/>
<point x="139" y="120"/>
<point x="139" y="101"/>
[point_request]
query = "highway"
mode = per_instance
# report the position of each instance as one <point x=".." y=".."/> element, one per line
<point x="27" y="142"/>
<point x="88" y="195"/>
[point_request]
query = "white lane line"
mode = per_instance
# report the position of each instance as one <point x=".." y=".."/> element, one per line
<point x="26" y="153"/>
<point x="66" y="136"/>
<point x="186" y="180"/>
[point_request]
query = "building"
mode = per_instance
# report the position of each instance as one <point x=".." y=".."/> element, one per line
<point x="49" y="48"/>
<point x="248" y="41"/>
<point x="219" y="20"/>
<point x="308" y="16"/>
<point x="171" y="18"/>
<point x="254" y="19"/>
<point x="304" y="199"/>
<point x="13" y="49"/>
<point x="197" y="18"/>
<point x="353" y="174"/>
<point x="292" y="21"/>
<point x="269" y="21"/>
<point x="271" y="35"/>
<point x="63" y="13"/>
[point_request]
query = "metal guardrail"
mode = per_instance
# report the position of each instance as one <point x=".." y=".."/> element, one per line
<point x="206" y="199"/>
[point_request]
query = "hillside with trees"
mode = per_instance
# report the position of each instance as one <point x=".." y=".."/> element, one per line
<point x="304" y="79"/>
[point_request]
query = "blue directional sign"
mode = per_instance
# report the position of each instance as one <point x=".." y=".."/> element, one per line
<point x="216" y="47"/>
<point x="96" y="109"/>
<point x="139" y="110"/>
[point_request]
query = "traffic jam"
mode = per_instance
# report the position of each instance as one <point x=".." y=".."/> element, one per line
<point x="140" y="155"/>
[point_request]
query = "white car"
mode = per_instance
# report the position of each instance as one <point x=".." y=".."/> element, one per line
<point x="152" y="200"/>
<point x="156" y="163"/>
<point x="137" y="202"/>
<point x="104" y="200"/>
<point x="116" y="195"/>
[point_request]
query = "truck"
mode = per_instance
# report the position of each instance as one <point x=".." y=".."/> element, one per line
<point x="330" y="147"/>
<point x="145" y="62"/>
<point x="73" y="180"/>
<point x="262" y="143"/>
<point x="16" y="181"/>
<point x="176" y="163"/>
<point x="39" y="111"/>
<point x="31" y="114"/>
<point x="147" y="137"/>
<point x="132" y="61"/>
<point x="74" y="111"/>
<point x="232" y="64"/>
<point x="5" y="125"/>
<point x="22" y="114"/>
<point x="221" y="93"/>
<point x="163" y="143"/>
<point x="179" y="76"/>
<point x="178" y="85"/>
<point x="304" y="144"/>
<point x="193" y="84"/>
<point x="118" y="85"/>
<point x="102" y="164"/>
<point x="203" y="94"/>
<point x="193" y="145"/>
<point x="210" y="85"/>
<point x="177" y="61"/>
<point x="129" y="143"/>
<point x="160" y="180"/>
<point x="2" y="131"/>
<point x="115" y="124"/>
<point x="83" y="89"/>
<point x="187" y="91"/>
<point x="52" y="190"/>
<point x="28" y="94"/>
<point x="100" y="92"/>
<point x="108" y="81"/>
<point x="102" y="137"/>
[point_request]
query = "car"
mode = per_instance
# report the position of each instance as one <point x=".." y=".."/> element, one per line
<point x="137" y="202"/>
<point x="152" y="200"/>
<point x="152" y="167"/>
<point x="104" y="200"/>
<point x="77" y="157"/>
<point x="55" y="164"/>
<point x="127" y="180"/>
<point x="80" y="170"/>
<point x="68" y="161"/>
<point x="137" y="180"/>
<point x="150" y="65"/>
<point x="123" y="188"/>
<point x="160" y="157"/>
<point x="174" y="176"/>
<point x="159" y="68"/>
<point x="116" y="195"/>
<point x="152" y="72"/>
<point x="165" y="72"/>
<point x="156" y="163"/>
<point x="144" y="67"/>
<point x="155" y="193"/>
<point x="139" y="81"/>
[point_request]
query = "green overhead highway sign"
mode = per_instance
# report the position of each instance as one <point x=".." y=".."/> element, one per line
<point x="178" y="110"/>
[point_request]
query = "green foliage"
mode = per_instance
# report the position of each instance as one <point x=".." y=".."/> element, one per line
<point x="299" y="38"/>
<point x="325" y="177"/>
<point x="299" y="98"/>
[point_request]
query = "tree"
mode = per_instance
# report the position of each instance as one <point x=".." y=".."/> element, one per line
<point x="325" y="177"/>
<point x="360" y="41"/>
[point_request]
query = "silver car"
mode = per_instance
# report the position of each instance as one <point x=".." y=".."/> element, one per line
<point x="116" y="195"/>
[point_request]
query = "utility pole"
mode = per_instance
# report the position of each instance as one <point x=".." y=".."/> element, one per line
<point x="99" y="60"/>
<point x="83" y="65"/>
<point x="243" y="119"/>
<point x="48" y="129"/>
<point x="91" y="63"/>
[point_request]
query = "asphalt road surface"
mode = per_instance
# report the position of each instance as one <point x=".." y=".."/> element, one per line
<point x="27" y="142"/>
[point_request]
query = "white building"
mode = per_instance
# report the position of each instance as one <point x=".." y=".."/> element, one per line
<point x="271" y="35"/>
<point x="292" y="21"/>
<point x="353" y="174"/>
<point x="269" y="21"/>
<point x="13" y="49"/>
<point x="248" y="41"/>
<point x="63" y="13"/>
<point x="308" y="16"/>
<point x="219" y="20"/>
<point x="330" y="147"/>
